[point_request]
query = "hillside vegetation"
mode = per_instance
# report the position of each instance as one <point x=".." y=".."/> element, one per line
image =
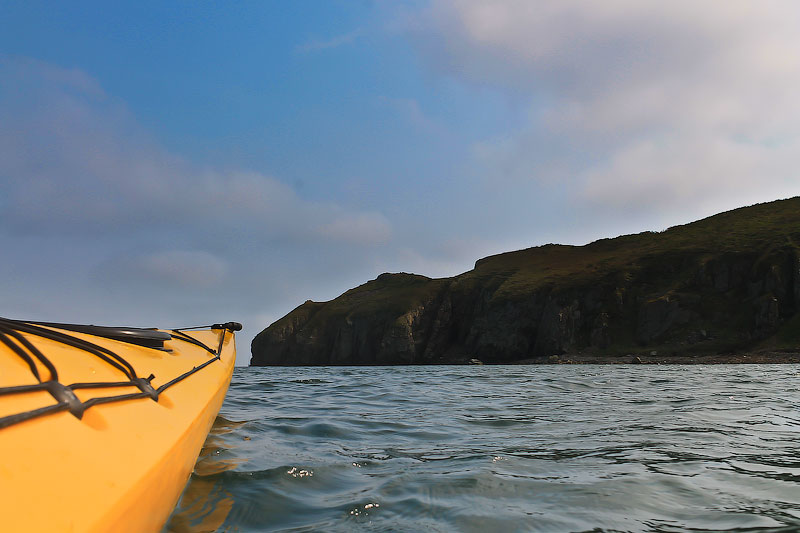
<point x="727" y="283"/>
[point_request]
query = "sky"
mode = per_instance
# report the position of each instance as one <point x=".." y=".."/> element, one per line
<point x="183" y="163"/>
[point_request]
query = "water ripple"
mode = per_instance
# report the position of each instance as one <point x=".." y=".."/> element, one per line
<point x="539" y="448"/>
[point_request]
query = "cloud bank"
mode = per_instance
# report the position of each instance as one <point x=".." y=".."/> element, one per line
<point x="634" y="103"/>
<point x="97" y="213"/>
<point x="72" y="159"/>
<point x="534" y="122"/>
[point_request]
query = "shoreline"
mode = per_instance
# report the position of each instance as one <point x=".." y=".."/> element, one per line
<point x="766" y="357"/>
<point x="749" y="358"/>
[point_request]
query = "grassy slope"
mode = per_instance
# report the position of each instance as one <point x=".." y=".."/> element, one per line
<point x="740" y="230"/>
<point x="515" y="275"/>
<point x="388" y="295"/>
<point x="520" y="272"/>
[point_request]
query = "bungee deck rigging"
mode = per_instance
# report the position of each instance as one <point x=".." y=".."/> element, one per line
<point x="13" y="335"/>
<point x="123" y="410"/>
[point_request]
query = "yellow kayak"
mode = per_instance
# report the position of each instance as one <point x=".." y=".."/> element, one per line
<point x="100" y="427"/>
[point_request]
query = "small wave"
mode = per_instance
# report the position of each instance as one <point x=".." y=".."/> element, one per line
<point x="563" y="448"/>
<point x="316" y="430"/>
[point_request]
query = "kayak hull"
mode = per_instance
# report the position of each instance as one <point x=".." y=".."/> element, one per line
<point x="122" y="465"/>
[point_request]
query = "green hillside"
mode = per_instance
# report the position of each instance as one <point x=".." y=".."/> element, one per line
<point x="725" y="283"/>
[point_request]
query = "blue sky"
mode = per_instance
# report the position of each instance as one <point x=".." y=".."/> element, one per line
<point x="167" y="163"/>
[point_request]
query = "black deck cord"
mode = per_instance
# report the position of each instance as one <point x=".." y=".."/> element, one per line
<point x="27" y="415"/>
<point x="74" y="405"/>
<point x="147" y="337"/>
<point x="100" y="385"/>
<point x="23" y="388"/>
<point x="118" y="398"/>
<point x="185" y="375"/>
<point x="20" y="352"/>
<point x="229" y="326"/>
<point x="186" y="338"/>
<point x="33" y="350"/>
<point x="105" y="354"/>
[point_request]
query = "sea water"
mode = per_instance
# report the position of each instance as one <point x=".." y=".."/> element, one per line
<point x="502" y="448"/>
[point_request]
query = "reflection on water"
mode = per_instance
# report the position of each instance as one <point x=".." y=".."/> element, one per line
<point x="204" y="507"/>
<point x="483" y="448"/>
<point x="205" y="503"/>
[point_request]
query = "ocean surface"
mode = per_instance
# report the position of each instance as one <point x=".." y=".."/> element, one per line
<point x="502" y="448"/>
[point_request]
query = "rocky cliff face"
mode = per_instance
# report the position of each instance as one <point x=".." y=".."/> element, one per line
<point x="729" y="282"/>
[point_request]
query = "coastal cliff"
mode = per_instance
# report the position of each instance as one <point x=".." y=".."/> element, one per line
<point x="727" y="283"/>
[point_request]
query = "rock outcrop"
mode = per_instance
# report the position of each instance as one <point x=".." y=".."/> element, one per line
<point x="725" y="283"/>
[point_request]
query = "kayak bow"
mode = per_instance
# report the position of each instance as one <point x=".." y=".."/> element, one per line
<point x="100" y="427"/>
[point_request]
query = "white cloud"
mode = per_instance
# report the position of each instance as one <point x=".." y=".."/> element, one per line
<point x="108" y="227"/>
<point x="52" y="75"/>
<point x="693" y="170"/>
<point x="651" y="102"/>
<point x="74" y="160"/>
<point x="316" y="45"/>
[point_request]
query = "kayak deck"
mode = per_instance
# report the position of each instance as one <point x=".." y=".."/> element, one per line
<point x="129" y="420"/>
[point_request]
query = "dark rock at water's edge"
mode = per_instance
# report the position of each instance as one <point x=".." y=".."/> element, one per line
<point x="727" y="284"/>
